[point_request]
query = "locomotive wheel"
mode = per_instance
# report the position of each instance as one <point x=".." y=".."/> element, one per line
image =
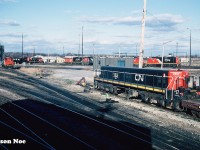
<point x="145" y="98"/>
<point x="194" y="113"/>
<point x="198" y="114"/>
<point x="96" y="85"/>
<point x="177" y="105"/>
<point x="162" y="103"/>
<point x="115" y="90"/>
<point x="128" y="94"/>
<point x="111" y="90"/>
<point x="100" y="86"/>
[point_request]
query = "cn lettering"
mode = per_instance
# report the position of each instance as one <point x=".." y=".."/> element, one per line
<point x="139" y="77"/>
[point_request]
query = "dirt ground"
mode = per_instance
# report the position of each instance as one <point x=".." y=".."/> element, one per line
<point x="68" y="76"/>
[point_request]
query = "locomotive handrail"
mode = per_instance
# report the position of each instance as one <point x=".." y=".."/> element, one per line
<point x="95" y="72"/>
<point x="168" y="86"/>
<point x="173" y="88"/>
<point x="172" y="95"/>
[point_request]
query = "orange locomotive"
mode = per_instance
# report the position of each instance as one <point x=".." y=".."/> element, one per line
<point x="68" y="60"/>
<point x="167" y="62"/>
<point x="8" y="62"/>
<point x="170" y="61"/>
<point x="136" y="62"/>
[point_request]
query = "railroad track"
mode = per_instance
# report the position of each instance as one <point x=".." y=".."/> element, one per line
<point x="104" y="137"/>
<point x="58" y="128"/>
<point x="153" y="134"/>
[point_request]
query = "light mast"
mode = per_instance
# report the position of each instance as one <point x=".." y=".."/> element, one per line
<point x="142" y="37"/>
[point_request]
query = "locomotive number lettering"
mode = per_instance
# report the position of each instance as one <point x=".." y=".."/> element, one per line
<point x="139" y="77"/>
<point x="115" y="75"/>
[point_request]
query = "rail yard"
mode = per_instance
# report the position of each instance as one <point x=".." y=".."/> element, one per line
<point x="43" y="106"/>
<point x="105" y="75"/>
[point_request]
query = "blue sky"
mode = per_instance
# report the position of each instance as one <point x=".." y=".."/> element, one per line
<point x="108" y="25"/>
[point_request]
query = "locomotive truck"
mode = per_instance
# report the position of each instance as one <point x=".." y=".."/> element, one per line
<point x="172" y="88"/>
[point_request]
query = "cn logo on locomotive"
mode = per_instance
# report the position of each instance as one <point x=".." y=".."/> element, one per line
<point x="139" y="77"/>
<point x="166" y="60"/>
<point x="115" y="75"/>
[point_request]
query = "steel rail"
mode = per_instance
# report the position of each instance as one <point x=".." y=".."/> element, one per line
<point x="51" y="147"/>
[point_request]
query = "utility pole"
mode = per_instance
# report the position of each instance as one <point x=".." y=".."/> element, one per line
<point x="142" y="37"/>
<point x="93" y="50"/>
<point x="82" y="42"/>
<point x="63" y="51"/>
<point x="79" y="44"/>
<point x="34" y="52"/>
<point x="22" y="46"/>
<point x="190" y="48"/>
<point x="176" y="48"/>
<point x="119" y="52"/>
<point x="136" y="49"/>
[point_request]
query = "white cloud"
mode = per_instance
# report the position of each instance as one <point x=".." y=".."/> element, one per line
<point x="9" y="23"/>
<point x="159" y="22"/>
<point x="5" y="1"/>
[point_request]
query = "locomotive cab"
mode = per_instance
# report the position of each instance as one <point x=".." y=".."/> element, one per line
<point x="8" y="62"/>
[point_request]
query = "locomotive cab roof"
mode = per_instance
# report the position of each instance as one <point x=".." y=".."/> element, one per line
<point x="150" y="71"/>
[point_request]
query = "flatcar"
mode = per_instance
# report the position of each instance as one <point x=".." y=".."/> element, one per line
<point x="8" y="62"/>
<point x="171" y="88"/>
